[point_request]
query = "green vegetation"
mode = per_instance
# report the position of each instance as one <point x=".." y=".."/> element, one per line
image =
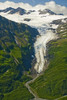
<point x="63" y="98"/>
<point x="53" y="83"/>
<point x="20" y="91"/>
<point x="16" y="48"/>
<point x="19" y="94"/>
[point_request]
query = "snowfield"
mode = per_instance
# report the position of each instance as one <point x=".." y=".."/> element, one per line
<point x="42" y="22"/>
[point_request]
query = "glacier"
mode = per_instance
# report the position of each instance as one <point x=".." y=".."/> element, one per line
<point x="42" y="22"/>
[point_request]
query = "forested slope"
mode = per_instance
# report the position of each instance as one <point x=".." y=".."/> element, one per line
<point x="16" y="50"/>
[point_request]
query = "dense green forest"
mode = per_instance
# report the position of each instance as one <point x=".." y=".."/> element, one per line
<point x="16" y="50"/>
<point x="53" y="83"/>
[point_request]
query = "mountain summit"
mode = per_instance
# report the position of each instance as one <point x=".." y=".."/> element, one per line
<point x="11" y="10"/>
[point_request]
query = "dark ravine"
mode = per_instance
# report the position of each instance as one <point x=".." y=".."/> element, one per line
<point x="16" y="50"/>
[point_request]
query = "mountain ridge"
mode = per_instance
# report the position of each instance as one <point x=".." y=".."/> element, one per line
<point x="22" y="11"/>
<point x="11" y="10"/>
<point x="56" y="8"/>
<point x="16" y="50"/>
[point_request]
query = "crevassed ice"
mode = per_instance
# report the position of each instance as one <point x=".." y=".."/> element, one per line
<point x="40" y="49"/>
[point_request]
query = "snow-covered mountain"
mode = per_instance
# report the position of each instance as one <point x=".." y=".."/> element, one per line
<point x="21" y="11"/>
<point x="11" y="10"/>
<point x="40" y="17"/>
<point x="48" y="5"/>
<point x="45" y="11"/>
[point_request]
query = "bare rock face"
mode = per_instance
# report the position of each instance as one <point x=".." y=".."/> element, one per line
<point x="45" y="11"/>
<point x="27" y="19"/>
<point x="11" y="10"/>
<point x="7" y="9"/>
<point x="18" y="10"/>
<point x="30" y="11"/>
